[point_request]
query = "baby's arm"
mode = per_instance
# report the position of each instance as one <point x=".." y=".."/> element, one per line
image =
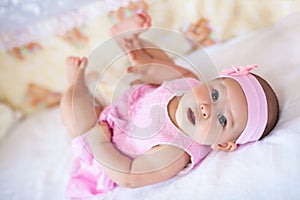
<point x="151" y="63"/>
<point x="159" y="164"/>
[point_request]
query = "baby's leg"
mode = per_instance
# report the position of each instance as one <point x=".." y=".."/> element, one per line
<point x="130" y="28"/>
<point x="144" y="52"/>
<point x="77" y="105"/>
<point x="131" y="43"/>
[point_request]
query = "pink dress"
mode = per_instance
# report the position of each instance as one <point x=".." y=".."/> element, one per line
<point x="140" y="121"/>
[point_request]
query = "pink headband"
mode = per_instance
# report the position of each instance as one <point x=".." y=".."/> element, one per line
<point x="256" y="101"/>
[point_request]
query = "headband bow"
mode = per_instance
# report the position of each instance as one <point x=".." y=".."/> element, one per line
<point x="239" y="71"/>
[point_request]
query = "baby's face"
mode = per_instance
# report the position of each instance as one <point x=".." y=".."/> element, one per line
<point x="214" y="112"/>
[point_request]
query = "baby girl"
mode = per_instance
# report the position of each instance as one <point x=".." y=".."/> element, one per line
<point x="165" y="124"/>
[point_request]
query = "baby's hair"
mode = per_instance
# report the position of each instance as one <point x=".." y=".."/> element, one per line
<point x="273" y="106"/>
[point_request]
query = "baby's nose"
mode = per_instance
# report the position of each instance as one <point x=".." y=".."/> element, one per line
<point x="205" y="111"/>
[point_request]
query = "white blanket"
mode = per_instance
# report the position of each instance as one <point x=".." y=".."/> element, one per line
<point x="36" y="156"/>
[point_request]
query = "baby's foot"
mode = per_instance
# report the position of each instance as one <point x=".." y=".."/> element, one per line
<point x="137" y="22"/>
<point x="74" y="64"/>
<point x="200" y="32"/>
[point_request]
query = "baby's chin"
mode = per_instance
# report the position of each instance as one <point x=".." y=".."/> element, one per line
<point x="199" y="139"/>
<point x="204" y="139"/>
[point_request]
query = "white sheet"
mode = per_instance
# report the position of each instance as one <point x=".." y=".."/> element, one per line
<point x="36" y="156"/>
<point x="35" y="159"/>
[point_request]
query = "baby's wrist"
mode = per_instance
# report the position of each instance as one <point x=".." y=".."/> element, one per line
<point x="97" y="135"/>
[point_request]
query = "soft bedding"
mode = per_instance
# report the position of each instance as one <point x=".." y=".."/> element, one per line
<point x="36" y="155"/>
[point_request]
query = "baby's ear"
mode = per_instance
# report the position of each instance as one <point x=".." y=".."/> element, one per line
<point x="226" y="146"/>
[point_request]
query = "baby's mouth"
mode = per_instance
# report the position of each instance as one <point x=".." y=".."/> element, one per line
<point x="191" y="116"/>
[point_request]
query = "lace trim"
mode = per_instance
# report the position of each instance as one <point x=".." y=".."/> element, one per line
<point x="54" y="26"/>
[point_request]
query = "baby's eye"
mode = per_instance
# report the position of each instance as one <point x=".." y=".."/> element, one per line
<point x="222" y="119"/>
<point x="214" y="95"/>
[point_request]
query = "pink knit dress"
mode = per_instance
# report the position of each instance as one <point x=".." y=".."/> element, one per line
<point x="139" y="120"/>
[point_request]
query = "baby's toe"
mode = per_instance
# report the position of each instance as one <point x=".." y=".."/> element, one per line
<point x="82" y="63"/>
<point x="146" y="19"/>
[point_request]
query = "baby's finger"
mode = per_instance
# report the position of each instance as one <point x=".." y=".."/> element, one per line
<point x="128" y="47"/>
<point x="135" y="69"/>
<point x="83" y="63"/>
<point x="129" y="69"/>
<point x="126" y="43"/>
<point x="103" y="124"/>
<point x="137" y="43"/>
<point x="106" y="130"/>
<point x="132" y="56"/>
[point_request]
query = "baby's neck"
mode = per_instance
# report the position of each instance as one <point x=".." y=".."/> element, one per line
<point x="172" y="108"/>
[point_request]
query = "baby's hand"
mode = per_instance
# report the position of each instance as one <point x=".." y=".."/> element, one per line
<point x="136" y="53"/>
<point x="145" y="72"/>
<point x="106" y="130"/>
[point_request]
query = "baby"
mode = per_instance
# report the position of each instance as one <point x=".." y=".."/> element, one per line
<point x="165" y="124"/>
